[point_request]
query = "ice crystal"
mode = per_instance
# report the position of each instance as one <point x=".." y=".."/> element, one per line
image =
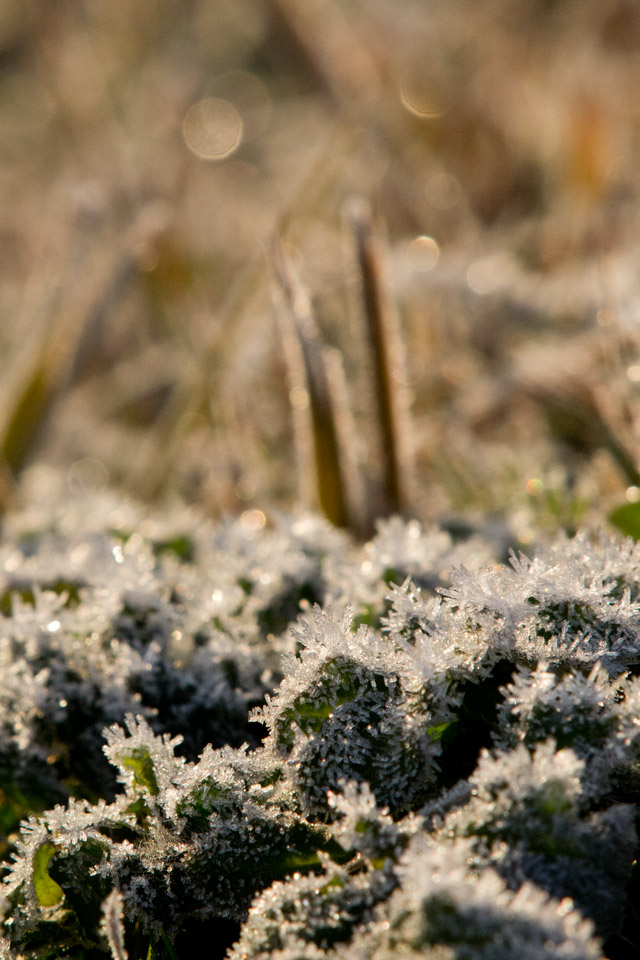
<point x="400" y="550"/>
<point x="367" y="829"/>
<point x="578" y="711"/>
<point x="441" y="902"/>
<point x="112" y="926"/>
<point x="569" y="605"/>
<point x="322" y="912"/>
<point x="524" y="811"/>
<point x="264" y="732"/>
<point x="351" y="706"/>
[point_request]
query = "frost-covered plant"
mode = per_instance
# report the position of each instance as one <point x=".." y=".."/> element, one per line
<point x="203" y="741"/>
<point x="356" y="706"/>
<point x="523" y="814"/>
<point x="573" y="604"/>
<point x="171" y="626"/>
<point x="445" y="908"/>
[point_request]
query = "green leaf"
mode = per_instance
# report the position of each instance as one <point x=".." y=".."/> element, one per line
<point x="143" y="775"/>
<point x="48" y="892"/>
<point x="182" y="546"/>
<point x="168" y="946"/>
<point x="436" y="733"/>
<point x="627" y="519"/>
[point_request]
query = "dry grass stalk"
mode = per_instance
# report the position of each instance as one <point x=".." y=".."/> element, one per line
<point x="385" y="360"/>
<point x="66" y="336"/>
<point x="322" y="420"/>
<point x="576" y="418"/>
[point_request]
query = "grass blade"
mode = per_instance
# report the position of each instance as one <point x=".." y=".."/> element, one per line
<point x="385" y="360"/>
<point x="324" y="431"/>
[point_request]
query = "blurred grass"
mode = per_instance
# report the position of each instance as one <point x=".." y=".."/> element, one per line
<point x="150" y="152"/>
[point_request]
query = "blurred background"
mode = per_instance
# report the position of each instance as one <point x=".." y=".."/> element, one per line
<point x="151" y="152"/>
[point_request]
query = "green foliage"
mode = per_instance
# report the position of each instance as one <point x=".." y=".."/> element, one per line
<point x="461" y="777"/>
<point x="627" y="519"/>
<point x="47" y="891"/>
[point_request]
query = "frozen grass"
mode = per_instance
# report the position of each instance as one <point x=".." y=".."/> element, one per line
<point x="139" y="346"/>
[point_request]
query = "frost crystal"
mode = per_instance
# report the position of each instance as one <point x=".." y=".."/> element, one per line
<point x="570" y="605"/>
<point x="440" y="902"/>
<point x="274" y="736"/>
<point x="112" y="926"/>
<point x="353" y="706"/>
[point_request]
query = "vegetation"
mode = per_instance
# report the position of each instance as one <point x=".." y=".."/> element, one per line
<point x="456" y="776"/>
<point x="318" y="435"/>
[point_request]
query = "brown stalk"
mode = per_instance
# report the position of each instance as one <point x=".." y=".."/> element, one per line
<point x="576" y="418"/>
<point x="323" y="430"/>
<point x="385" y="360"/>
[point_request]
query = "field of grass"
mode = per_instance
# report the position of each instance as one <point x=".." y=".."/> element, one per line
<point x="153" y="154"/>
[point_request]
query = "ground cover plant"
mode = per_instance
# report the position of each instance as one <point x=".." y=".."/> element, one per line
<point x="201" y="737"/>
<point x="319" y="481"/>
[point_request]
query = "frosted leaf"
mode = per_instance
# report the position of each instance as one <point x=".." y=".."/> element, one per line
<point x="591" y="864"/>
<point x="445" y="645"/>
<point x="322" y="911"/>
<point x="543" y="782"/>
<point x="20" y="871"/>
<point x="524" y="811"/>
<point x="263" y="575"/>
<point x="76" y="822"/>
<point x="366" y="828"/>
<point x="175" y="626"/>
<point x="352" y="707"/>
<point x="23" y="697"/>
<point x="198" y="830"/>
<point x="577" y="711"/>
<point x="125" y="628"/>
<point x="609" y="560"/>
<point x="565" y="606"/>
<point x="441" y="902"/>
<point x="214" y="785"/>
<point x="518" y="797"/>
<point x="401" y="549"/>
<point x="73" y="839"/>
<point x="143" y="759"/>
<point x="410" y="614"/>
<point x="595" y="715"/>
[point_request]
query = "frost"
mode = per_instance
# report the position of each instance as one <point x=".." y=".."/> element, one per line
<point x="366" y="828"/>
<point x="317" y="912"/>
<point x="569" y="605"/>
<point x="351" y="706"/>
<point x="143" y="759"/>
<point x="112" y="926"/>
<point x="266" y="724"/>
<point x="441" y="901"/>
<point x="581" y="712"/>
<point x="524" y="813"/>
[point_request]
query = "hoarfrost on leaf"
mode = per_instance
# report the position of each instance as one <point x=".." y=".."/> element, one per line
<point x="451" y="776"/>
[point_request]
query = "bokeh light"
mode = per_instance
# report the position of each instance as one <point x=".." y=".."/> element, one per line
<point x="213" y="128"/>
<point x="424" y="253"/>
<point x="534" y="487"/>
<point x="418" y="97"/>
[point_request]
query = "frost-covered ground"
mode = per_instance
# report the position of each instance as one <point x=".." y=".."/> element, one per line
<point x="303" y="747"/>
<point x="223" y="719"/>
